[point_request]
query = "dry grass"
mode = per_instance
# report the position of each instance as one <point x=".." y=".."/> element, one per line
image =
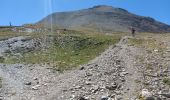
<point x="151" y="41"/>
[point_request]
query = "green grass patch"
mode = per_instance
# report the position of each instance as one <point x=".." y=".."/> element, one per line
<point x="2" y="59"/>
<point x="166" y="81"/>
<point x="68" y="51"/>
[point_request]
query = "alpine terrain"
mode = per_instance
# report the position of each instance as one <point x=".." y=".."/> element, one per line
<point x="104" y="19"/>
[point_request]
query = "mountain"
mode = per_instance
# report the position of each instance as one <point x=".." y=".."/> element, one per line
<point x="104" y="19"/>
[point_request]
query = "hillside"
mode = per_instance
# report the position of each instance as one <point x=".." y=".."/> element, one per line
<point x="104" y="19"/>
<point x="133" y="69"/>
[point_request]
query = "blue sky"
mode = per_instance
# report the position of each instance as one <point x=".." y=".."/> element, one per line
<point x="29" y="11"/>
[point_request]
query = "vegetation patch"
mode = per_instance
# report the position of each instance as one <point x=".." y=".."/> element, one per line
<point x="149" y="43"/>
<point x="142" y="42"/>
<point x="2" y="59"/>
<point x="166" y="81"/>
<point x="0" y="82"/>
<point x="68" y="51"/>
<point x="8" y="34"/>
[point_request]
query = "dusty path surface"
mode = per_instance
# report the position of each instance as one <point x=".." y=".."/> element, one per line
<point x="117" y="74"/>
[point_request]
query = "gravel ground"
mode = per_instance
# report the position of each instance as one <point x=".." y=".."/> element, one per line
<point x="117" y="74"/>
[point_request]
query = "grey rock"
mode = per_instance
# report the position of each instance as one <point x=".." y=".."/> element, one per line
<point x="36" y="87"/>
<point x="122" y="74"/>
<point x="105" y="98"/>
<point x="78" y="87"/>
<point x="94" y="89"/>
<point x="88" y="82"/>
<point x="82" y="98"/>
<point x="82" y="68"/>
<point x="35" y="78"/>
<point x="73" y="96"/>
<point x="166" y="95"/>
<point x="88" y="74"/>
<point x="28" y="83"/>
<point x="122" y="79"/>
<point x="111" y="87"/>
<point x="1" y="98"/>
<point x="118" y="97"/>
<point x="168" y="50"/>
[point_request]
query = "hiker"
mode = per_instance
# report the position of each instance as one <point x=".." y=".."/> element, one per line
<point x="133" y="31"/>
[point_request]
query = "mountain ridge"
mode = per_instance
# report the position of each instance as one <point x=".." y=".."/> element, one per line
<point x="104" y="18"/>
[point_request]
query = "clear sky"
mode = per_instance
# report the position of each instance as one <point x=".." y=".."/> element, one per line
<point x="30" y="11"/>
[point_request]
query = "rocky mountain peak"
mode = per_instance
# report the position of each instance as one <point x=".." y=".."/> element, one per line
<point x="102" y="7"/>
<point x="108" y="8"/>
<point x="103" y="18"/>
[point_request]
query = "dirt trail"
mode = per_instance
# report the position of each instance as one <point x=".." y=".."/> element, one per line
<point x="127" y="55"/>
<point x="112" y="76"/>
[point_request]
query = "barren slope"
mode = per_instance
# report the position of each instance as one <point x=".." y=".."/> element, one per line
<point x="104" y="19"/>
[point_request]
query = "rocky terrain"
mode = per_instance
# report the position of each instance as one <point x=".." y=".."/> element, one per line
<point x="104" y="19"/>
<point x="17" y="46"/>
<point x="13" y="44"/>
<point x="129" y="70"/>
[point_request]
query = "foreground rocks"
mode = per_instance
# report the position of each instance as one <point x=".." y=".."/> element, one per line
<point x="117" y="74"/>
<point x="22" y="44"/>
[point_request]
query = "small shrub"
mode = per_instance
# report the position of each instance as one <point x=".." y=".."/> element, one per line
<point x="149" y="66"/>
<point x="166" y="81"/>
<point x="2" y="59"/>
<point x="0" y="82"/>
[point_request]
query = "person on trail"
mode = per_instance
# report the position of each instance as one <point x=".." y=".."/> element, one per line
<point x="133" y="31"/>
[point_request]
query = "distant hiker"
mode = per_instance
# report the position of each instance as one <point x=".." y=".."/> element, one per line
<point x="133" y="31"/>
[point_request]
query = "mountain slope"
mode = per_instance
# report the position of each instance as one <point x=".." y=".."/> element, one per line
<point x="104" y="18"/>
